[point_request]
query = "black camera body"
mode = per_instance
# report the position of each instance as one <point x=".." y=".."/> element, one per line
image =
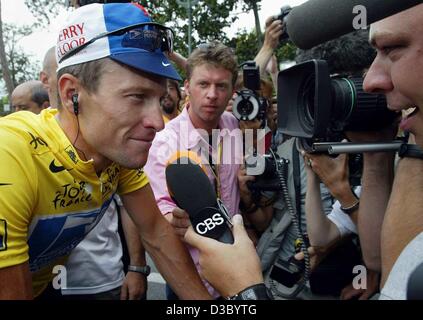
<point x="249" y="105"/>
<point x="316" y="107"/>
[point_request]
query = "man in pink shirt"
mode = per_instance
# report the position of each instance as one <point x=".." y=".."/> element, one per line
<point x="202" y="127"/>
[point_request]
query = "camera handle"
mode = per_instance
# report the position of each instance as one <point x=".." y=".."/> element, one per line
<point x="351" y="147"/>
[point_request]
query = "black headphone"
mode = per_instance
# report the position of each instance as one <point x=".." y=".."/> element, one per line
<point x="75" y="104"/>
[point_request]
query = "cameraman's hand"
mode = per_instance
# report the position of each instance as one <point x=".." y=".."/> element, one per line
<point x="316" y="255"/>
<point x="229" y="268"/>
<point x="333" y="172"/>
<point x="245" y="193"/>
<point x="274" y="30"/>
<point x="179" y="219"/>
<point x="252" y="124"/>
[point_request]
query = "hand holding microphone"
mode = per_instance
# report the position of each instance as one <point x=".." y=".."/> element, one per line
<point x="228" y="268"/>
<point x="192" y="191"/>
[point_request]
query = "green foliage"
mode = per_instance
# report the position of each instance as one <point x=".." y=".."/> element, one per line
<point x="246" y="46"/>
<point x="44" y="10"/>
<point x="209" y="18"/>
<point x="22" y="66"/>
<point x="286" y="52"/>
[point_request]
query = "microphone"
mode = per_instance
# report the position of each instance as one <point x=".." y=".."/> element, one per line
<point x="317" y="21"/>
<point x="192" y="191"/>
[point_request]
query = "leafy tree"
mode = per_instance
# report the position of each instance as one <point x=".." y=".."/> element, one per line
<point x="210" y="17"/>
<point x="4" y="62"/>
<point x="22" y="67"/>
<point x="255" y="6"/>
<point x="44" y="10"/>
<point x="246" y="46"/>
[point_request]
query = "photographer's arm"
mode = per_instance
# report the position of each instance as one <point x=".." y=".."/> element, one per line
<point x="272" y="70"/>
<point x="320" y="229"/>
<point x="178" y="59"/>
<point x="378" y="172"/>
<point x="259" y="217"/>
<point x="274" y="29"/>
<point x="377" y="180"/>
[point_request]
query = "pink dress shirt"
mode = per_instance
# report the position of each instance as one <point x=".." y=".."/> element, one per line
<point x="179" y="134"/>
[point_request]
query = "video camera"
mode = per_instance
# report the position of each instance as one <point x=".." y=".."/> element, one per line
<point x="249" y="104"/>
<point x="318" y="108"/>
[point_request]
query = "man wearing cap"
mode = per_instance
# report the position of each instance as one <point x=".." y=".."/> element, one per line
<point x="61" y="168"/>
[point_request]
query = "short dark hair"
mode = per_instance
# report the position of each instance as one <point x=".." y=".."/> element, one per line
<point x="216" y="54"/>
<point x="39" y="95"/>
<point x="89" y="73"/>
<point x="349" y="54"/>
<point x="176" y="84"/>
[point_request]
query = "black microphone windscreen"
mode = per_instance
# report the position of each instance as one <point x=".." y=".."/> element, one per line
<point x="192" y="191"/>
<point x="189" y="185"/>
<point x="317" y="21"/>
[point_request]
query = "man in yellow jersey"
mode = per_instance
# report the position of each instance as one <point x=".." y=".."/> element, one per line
<point x="60" y="169"/>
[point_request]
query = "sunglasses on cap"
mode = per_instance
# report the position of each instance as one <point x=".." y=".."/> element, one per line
<point x="149" y="36"/>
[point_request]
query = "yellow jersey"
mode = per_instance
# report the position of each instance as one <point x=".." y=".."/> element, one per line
<point x="49" y="198"/>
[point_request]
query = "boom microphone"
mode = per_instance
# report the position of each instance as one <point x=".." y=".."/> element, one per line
<point x="192" y="191"/>
<point x="317" y="21"/>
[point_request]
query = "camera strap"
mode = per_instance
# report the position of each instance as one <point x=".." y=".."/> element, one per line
<point x="297" y="182"/>
<point x="410" y="151"/>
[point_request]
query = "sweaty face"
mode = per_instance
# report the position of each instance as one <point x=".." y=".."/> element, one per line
<point x="21" y="100"/>
<point x="120" y="120"/>
<point x="398" y="67"/>
<point x="209" y="89"/>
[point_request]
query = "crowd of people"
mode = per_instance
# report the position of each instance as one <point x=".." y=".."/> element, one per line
<point x="84" y="157"/>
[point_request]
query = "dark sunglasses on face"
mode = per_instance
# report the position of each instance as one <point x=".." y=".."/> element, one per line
<point x="148" y="36"/>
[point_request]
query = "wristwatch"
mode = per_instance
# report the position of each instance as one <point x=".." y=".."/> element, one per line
<point x="349" y="210"/>
<point x="144" y="270"/>
<point x="255" y="292"/>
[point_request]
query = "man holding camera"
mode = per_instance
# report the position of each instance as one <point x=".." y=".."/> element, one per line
<point x="396" y="72"/>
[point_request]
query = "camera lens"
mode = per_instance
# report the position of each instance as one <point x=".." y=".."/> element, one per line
<point x="356" y="110"/>
<point x="344" y="101"/>
<point x="245" y="108"/>
<point x="307" y="105"/>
